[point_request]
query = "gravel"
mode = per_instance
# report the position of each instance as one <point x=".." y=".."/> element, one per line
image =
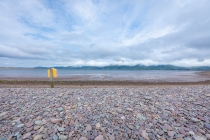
<point x="170" y="112"/>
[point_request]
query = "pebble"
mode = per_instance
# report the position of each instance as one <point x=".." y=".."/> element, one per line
<point x="98" y="125"/>
<point x="38" y="137"/>
<point x="60" y="128"/>
<point x="196" y="137"/>
<point x="38" y="122"/>
<point x="55" y="137"/>
<point x="54" y="120"/>
<point x="144" y="134"/>
<point x="88" y="128"/>
<point x="63" y="137"/>
<point x="26" y="135"/>
<point x="60" y="109"/>
<point x="175" y="112"/>
<point x="37" y="127"/>
<point x="29" y="124"/>
<point x="99" y="137"/>
<point x="83" y="138"/>
<point x="207" y="125"/>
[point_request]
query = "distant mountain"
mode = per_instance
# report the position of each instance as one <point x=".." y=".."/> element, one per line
<point x="136" y="67"/>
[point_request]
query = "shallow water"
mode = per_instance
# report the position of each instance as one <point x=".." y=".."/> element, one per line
<point x="143" y="75"/>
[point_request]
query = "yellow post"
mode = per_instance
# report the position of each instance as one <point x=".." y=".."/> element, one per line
<point x="51" y="74"/>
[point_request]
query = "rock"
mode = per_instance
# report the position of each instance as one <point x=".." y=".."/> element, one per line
<point x="139" y="116"/>
<point x="179" y="139"/>
<point x="54" y="120"/>
<point x="207" y="125"/>
<point x="207" y="95"/>
<point x="208" y="136"/>
<point x="144" y="134"/>
<point x="195" y="119"/>
<point x="83" y="138"/>
<point x="41" y="129"/>
<point x="160" y="132"/>
<point x="191" y="132"/>
<point x="147" y="97"/>
<point x="3" y="114"/>
<point x="38" y="122"/>
<point x="38" y="137"/>
<point x="26" y="135"/>
<point x="60" y="109"/>
<point x="63" y="137"/>
<point x="98" y="125"/>
<point x="88" y="128"/>
<point x="55" y="137"/>
<point x="29" y="124"/>
<point x="111" y="137"/>
<point x="196" y="137"/>
<point x="74" y="106"/>
<point x="171" y="134"/>
<point x="131" y="127"/>
<point x="99" y="137"/>
<point x="129" y="109"/>
<point x="60" y="128"/>
<point x="37" y="127"/>
<point x="20" y="125"/>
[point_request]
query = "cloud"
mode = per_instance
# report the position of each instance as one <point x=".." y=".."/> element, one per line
<point x="49" y="33"/>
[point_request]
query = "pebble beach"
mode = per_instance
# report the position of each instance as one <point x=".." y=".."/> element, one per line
<point x="106" y="113"/>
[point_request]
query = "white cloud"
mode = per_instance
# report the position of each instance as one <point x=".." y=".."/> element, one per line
<point x="104" y="32"/>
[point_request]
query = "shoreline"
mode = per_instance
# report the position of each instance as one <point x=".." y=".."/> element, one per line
<point x="78" y="82"/>
<point x="35" y="83"/>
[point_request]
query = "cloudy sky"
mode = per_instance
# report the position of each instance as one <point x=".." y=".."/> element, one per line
<point x="104" y="32"/>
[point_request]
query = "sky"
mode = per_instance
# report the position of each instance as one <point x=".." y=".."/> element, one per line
<point x="104" y="32"/>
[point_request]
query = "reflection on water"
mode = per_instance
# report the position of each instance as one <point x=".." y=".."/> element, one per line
<point x="146" y="75"/>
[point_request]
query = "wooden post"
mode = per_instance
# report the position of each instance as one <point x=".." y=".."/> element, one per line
<point x="51" y="79"/>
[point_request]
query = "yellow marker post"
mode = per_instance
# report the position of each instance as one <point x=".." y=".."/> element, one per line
<point x="52" y="73"/>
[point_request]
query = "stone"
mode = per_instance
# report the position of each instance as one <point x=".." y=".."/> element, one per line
<point x="83" y="138"/>
<point x="207" y="125"/>
<point x="3" y="114"/>
<point x="74" y="106"/>
<point x="99" y="137"/>
<point x="179" y="139"/>
<point x="60" y="128"/>
<point x="20" y="125"/>
<point x="63" y="137"/>
<point x="29" y="124"/>
<point x="147" y="97"/>
<point x="60" y="109"/>
<point x="191" y="132"/>
<point x="54" y="120"/>
<point x="196" y="137"/>
<point x="111" y="137"/>
<point x="195" y="119"/>
<point x="171" y="134"/>
<point x="144" y="134"/>
<point x="139" y="116"/>
<point x="38" y="122"/>
<point x="129" y="109"/>
<point x="55" y="137"/>
<point x="25" y="136"/>
<point x="98" y="125"/>
<point x="160" y="132"/>
<point x="41" y="129"/>
<point x="38" y="137"/>
<point x="88" y="128"/>
<point x="37" y="127"/>
<point x="207" y="95"/>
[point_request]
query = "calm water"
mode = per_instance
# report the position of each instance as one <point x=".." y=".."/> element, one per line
<point x="159" y="75"/>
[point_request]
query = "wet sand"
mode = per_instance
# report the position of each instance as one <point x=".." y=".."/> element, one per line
<point x="77" y="82"/>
